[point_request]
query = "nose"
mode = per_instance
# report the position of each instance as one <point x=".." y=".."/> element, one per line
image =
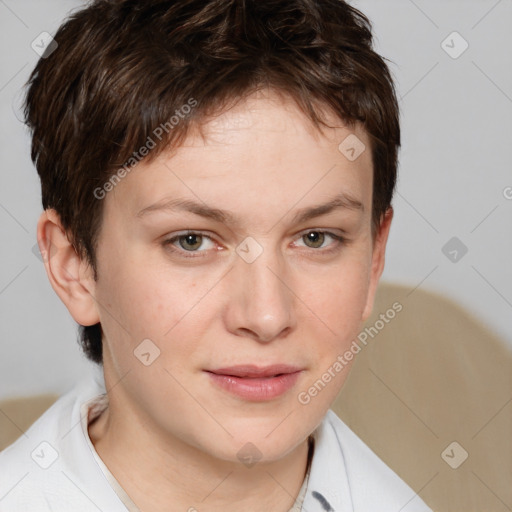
<point x="261" y="304"/>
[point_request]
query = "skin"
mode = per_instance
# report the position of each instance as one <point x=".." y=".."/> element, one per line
<point x="170" y="436"/>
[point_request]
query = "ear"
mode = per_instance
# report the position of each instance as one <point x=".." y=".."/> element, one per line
<point x="70" y="277"/>
<point x="378" y="259"/>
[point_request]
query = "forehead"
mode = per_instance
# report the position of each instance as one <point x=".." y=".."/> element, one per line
<point x="260" y="151"/>
<point x="266" y="116"/>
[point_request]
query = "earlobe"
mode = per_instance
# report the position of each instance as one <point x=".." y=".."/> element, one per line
<point x="70" y="277"/>
<point x="378" y="260"/>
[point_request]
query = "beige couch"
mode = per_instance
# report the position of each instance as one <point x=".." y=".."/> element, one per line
<point x="430" y="377"/>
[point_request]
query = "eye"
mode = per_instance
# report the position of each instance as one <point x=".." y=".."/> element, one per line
<point x="190" y="241"/>
<point x="314" y="239"/>
<point x="191" y="244"/>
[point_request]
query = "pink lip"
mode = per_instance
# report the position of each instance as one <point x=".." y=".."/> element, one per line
<point x="256" y="383"/>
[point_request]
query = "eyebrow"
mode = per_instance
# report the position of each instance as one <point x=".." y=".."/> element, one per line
<point x="341" y="201"/>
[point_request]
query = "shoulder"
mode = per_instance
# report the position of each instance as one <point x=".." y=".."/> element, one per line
<point x="50" y="467"/>
<point x="360" y="476"/>
<point x="47" y="429"/>
<point x="31" y="469"/>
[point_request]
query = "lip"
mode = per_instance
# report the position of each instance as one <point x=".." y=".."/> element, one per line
<point x="256" y="383"/>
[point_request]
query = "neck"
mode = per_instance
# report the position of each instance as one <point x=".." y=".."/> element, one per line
<point x="160" y="472"/>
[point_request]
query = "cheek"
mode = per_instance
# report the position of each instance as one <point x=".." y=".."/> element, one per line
<point x="339" y="297"/>
<point x="146" y="296"/>
<point x="146" y="304"/>
<point x="339" y="303"/>
<point x="151" y="302"/>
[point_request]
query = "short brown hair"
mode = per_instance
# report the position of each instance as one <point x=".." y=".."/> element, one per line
<point x="122" y="68"/>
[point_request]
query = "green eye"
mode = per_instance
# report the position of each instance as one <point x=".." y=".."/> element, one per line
<point x="324" y="242"/>
<point x="191" y="241"/>
<point x="314" y="239"/>
<point x="194" y="243"/>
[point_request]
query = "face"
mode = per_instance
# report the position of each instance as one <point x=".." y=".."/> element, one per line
<point x="245" y="261"/>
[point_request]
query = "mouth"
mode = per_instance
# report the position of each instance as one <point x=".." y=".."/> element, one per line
<point x="255" y="372"/>
<point x="255" y="383"/>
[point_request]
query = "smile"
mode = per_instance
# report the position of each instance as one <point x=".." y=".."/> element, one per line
<point x="256" y="384"/>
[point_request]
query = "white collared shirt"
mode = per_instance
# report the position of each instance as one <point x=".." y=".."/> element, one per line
<point x="54" y="467"/>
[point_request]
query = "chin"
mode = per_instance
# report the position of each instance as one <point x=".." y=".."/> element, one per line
<point x="266" y="439"/>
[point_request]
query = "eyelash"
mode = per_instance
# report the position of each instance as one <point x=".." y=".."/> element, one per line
<point x="340" y="242"/>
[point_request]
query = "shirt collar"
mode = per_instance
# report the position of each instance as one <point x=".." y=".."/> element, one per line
<point x="328" y="487"/>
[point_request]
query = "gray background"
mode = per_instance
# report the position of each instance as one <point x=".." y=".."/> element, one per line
<point x="455" y="175"/>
